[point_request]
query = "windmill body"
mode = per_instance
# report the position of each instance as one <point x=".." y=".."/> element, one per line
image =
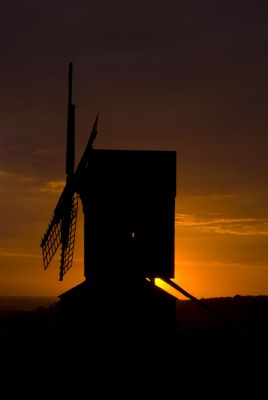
<point x="128" y="200"/>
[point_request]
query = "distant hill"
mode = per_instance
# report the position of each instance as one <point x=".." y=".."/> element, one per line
<point x="25" y="303"/>
<point x="249" y="313"/>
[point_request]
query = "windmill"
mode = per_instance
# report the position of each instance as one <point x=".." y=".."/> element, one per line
<point x="128" y="199"/>
<point x="116" y="188"/>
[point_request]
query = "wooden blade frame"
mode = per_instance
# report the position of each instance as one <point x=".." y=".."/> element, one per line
<point x="51" y="241"/>
<point x="68" y="231"/>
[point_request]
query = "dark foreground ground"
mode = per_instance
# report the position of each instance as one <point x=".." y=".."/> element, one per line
<point x="209" y="356"/>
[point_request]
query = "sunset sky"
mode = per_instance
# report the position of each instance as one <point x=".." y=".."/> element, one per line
<point x="189" y="76"/>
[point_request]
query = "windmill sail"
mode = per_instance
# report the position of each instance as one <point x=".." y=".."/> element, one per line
<point x="85" y="157"/>
<point x="52" y="237"/>
<point x="62" y="227"/>
<point x="70" y="127"/>
<point x="61" y="231"/>
<point x="68" y="230"/>
<point x="51" y="241"/>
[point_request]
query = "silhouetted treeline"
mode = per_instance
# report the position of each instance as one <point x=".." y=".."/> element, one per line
<point x="249" y="313"/>
<point x="14" y="322"/>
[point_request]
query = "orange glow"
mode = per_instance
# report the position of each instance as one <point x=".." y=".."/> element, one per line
<point x="207" y="263"/>
<point x="160" y="85"/>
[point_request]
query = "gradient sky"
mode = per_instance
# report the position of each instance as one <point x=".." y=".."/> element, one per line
<point x="189" y="76"/>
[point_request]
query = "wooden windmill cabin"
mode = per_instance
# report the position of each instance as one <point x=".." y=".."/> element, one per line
<point x="128" y="200"/>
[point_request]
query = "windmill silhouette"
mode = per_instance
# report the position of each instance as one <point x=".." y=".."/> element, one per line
<point x="128" y="199"/>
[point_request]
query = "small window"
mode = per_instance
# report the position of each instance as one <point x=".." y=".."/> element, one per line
<point x="132" y="234"/>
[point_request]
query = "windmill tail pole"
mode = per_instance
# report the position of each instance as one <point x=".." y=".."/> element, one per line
<point x="211" y="310"/>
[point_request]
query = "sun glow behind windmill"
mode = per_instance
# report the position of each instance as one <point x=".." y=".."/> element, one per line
<point x="61" y="230"/>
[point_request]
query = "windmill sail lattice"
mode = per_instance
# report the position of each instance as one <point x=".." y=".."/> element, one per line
<point x="67" y="250"/>
<point x="51" y="242"/>
<point x="54" y="237"/>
